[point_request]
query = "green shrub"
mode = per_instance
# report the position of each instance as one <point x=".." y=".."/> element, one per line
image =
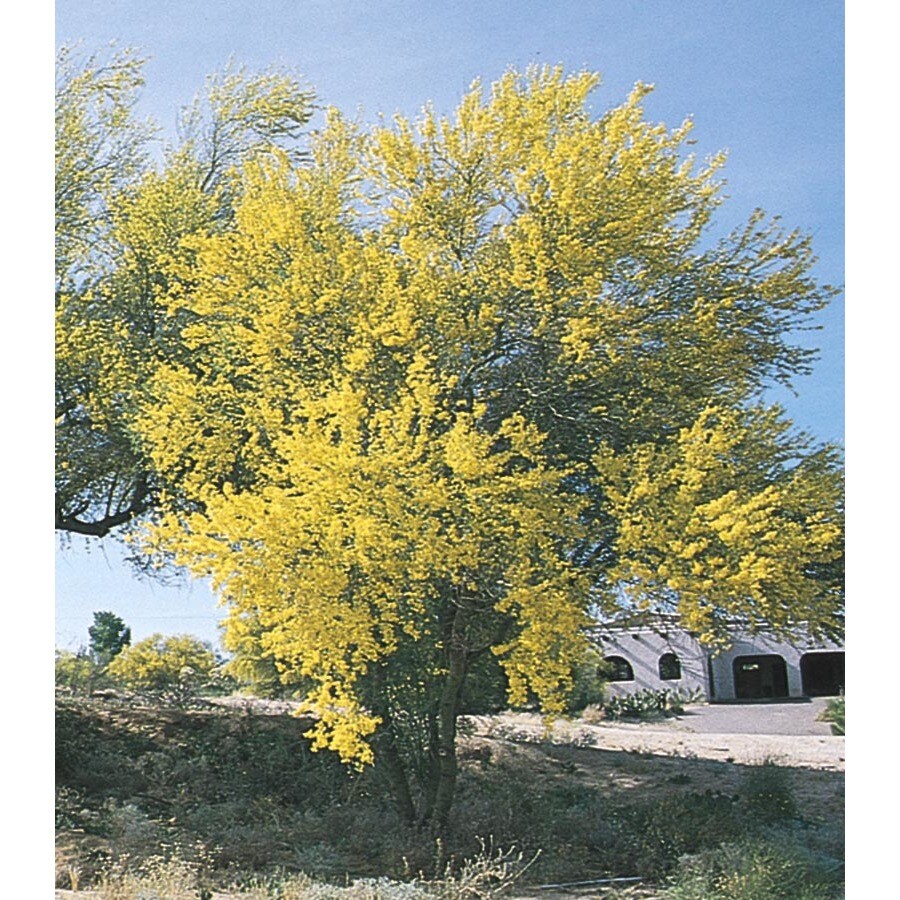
<point x="648" y="838"/>
<point x="834" y="713"/>
<point x="774" y="866"/>
<point x="647" y="704"/>
<point x="589" y="683"/>
<point x="485" y="688"/>
<point x="767" y="794"/>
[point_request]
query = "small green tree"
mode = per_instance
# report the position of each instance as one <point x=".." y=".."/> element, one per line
<point x="177" y="665"/>
<point x="589" y="679"/>
<point x="109" y="637"/>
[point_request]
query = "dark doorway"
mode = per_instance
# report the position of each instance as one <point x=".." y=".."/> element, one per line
<point x="822" y="673"/>
<point x="760" y="677"/>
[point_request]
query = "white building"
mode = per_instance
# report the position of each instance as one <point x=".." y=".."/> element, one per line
<point x="756" y="666"/>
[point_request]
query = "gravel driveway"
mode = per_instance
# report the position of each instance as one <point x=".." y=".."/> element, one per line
<point x="787" y="717"/>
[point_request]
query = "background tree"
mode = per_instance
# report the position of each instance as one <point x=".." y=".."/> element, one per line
<point x="436" y="389"/>
<point x="120" y="218"/>
<point x="109" y="636"/>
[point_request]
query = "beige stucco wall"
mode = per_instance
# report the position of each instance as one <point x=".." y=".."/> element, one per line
<point x="710" y="671"/>
<point x="643" y="647"/>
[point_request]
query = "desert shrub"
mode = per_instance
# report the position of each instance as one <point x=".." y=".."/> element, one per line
<point x="648" y="838"/>
<point x="647" y="704"/>
<point x="774" y="866"/>
<point x="767" y="794"/>
<point x="93" y="754"/>
<point x="178" y="665"/>
<point x="834" y="713"/>
<point x="77" y="672"/>
<point x="579" y="829"/>
<point x="491" y="872"/>
<point x="155" y="878"/>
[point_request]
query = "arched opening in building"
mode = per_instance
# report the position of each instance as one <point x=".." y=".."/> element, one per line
<point x="618" y="669"/>
<point x="760" y="677"/>
<point x="822" y="673"/>
<point x="669" y="667"/>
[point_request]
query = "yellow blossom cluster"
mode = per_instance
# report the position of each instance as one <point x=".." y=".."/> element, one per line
<point x="699" y="520"/>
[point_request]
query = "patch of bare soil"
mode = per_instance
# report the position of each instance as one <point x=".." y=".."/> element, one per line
<point x="664" y="738"/>
<point x="655" y="756"/>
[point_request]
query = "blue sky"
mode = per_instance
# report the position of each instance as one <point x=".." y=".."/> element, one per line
<point x="763" y="80"/>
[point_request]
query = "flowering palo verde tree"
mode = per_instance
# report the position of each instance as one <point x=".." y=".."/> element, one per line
<point x="444" y="389"/>
<point x="119" y="222"/>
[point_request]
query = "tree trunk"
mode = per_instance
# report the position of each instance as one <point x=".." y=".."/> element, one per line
<point x="447" y="713"/>
<point x="396" y="774"/>
<point x="388" y="755"/>
<point x="432" y="775"/>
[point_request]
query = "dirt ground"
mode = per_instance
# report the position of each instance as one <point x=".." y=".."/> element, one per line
<point x="707" y="746"/>
<point x="786" y="734"/>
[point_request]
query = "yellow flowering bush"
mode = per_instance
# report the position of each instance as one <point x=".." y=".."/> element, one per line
<point x="163" y="662"/>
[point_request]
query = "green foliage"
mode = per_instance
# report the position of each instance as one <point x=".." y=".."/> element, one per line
<point x="119" y="224"/>
<point x="589" y="683"/>
<point x="774" y="866"/>
<point x="242" y="115"/>
<point x="485" y="690"/>
<point x="178" y="664"/>
<point x="648" y="703"/>
<point x="100" y="149"/>
<point x="108" y="636"/>
<point x="834" y="713"/>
